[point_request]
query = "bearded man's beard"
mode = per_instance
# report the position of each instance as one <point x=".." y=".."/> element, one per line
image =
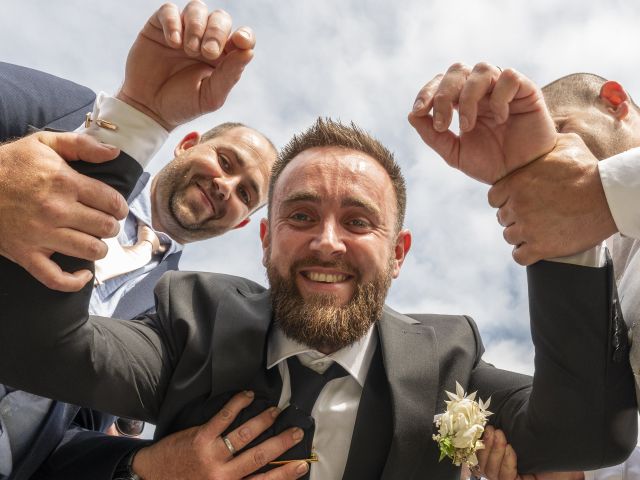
<point x="319" y="321"/>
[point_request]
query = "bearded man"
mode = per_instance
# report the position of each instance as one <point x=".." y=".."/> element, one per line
<point x="352" y="385"/>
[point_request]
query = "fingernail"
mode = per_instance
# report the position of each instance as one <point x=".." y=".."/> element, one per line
<point x="109" y="146"/>
<point x="212" y="47"/>
<point x="297" y="434"/>
<point x="274" y="412"/>
<point x="249" y="393"/>
<point x="245" y="34"/>
<point x="418" y="104"/>
<point x="302" y="468"/>
<point x="464" y="123"/>
<point x="175" y="37"/>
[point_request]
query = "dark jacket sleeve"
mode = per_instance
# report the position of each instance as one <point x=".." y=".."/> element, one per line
<point x="87" y="455"/>
<point x="580" y="413"/>
<point x="32" y="98"/>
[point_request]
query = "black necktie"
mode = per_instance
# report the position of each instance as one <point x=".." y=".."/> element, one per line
<point x="306" y="385"/>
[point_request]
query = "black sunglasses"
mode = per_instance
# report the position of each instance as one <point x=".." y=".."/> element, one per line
<point x="128" y="427"/>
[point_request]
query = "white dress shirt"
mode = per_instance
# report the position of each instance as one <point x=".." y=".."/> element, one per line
<point x="620" y="177"/>
<point x="137" y="134"/>
<point x="337" y="405"/>
<point x="140" y="137"/>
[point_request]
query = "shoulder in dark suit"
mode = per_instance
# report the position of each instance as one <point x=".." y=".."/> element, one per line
<point x="32" y="99"/>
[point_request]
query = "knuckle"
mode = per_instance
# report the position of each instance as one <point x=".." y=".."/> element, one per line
<point x="119" y="205"/>
<point x="482" y="67"/>
<point x="111" y="227"/>
<point x="510" y="73"/>
<point x="259" y="457"/>
<point x="52" y="209"/>
<point x="286" y="441"/>
<point x="245" y="434"/>
<point x="458" y="67"/>
<point x="96" y="249"/>
<point x="62" y="179"/>
<point x="226" y="413"/>
<point x="51" y="281"/>
<point x="441" y="98"/>
<point x="199" y="443"/>
<point x="194" y="25"/>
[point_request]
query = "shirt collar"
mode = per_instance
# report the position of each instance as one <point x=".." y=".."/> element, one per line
<point x="140" y="207"/>
<point x="354" y="358"/>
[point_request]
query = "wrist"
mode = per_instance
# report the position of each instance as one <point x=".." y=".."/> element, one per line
<point x="140" y="462"/>
<point x="603" y="220"/>
<point x="125" y="469"/>
<point x="123" y="97"/>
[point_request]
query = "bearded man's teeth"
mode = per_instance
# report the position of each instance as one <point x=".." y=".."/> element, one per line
<point x="326" y="277"/>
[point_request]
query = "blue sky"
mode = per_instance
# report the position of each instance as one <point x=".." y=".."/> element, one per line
<point x="364" y="61"/>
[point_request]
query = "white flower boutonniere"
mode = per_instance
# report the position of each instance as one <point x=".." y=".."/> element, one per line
<point x="461" y="426"/>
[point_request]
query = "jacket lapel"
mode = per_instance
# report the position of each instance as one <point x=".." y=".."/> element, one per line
<point x="410" y="357"/>
<point x="140" y="299"/>
<point x="239" y="343"/>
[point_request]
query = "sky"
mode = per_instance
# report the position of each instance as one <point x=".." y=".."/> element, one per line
<point x="364" y="61"/>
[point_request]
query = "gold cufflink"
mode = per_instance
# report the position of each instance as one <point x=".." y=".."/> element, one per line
<point x="101" y="123"/>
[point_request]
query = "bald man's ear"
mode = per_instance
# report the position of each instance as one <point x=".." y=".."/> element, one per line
<point x="615" y="99"/>
<point x="190" y="139"/>
<point x="242" y="223"/>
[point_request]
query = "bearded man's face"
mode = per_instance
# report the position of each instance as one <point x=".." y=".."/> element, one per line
<point x="331" y="246"/>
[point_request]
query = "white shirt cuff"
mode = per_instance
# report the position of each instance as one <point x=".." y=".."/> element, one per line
<point x="594" y="257"/>
<point x="138" y="135"/>
<point x="620" y="176"/>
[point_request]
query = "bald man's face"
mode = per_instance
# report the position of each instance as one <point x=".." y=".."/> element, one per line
<point x="212" y="187"/>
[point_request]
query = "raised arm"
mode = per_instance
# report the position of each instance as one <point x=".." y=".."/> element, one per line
<point x="580" y="412"/>
<point x="172" y="81"/>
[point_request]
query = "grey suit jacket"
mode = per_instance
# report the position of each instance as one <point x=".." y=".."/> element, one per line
<point x="208" y="340"/>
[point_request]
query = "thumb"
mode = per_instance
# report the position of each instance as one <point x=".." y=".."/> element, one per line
<point x="224" y="78"/>
<point x="446" y="144"/>
<point x="77" y="146"/>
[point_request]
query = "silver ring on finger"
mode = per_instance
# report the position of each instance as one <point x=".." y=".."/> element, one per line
<point x="229" y="445"/>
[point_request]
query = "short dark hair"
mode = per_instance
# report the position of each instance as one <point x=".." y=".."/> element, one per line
<point x="226" y="126"/>
<point x="331" y="133"/>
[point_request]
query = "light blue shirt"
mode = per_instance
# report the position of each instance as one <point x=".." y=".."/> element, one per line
<point x="106" y="296"/>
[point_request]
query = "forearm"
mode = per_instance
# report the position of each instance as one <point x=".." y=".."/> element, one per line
<point x="581" y="412"/>
<point x="84" y="454"/>
<point x="50" y="346"/>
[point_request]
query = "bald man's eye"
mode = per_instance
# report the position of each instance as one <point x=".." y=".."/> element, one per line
<point x="244" y="194"/>
<point x="224" y="163"/>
